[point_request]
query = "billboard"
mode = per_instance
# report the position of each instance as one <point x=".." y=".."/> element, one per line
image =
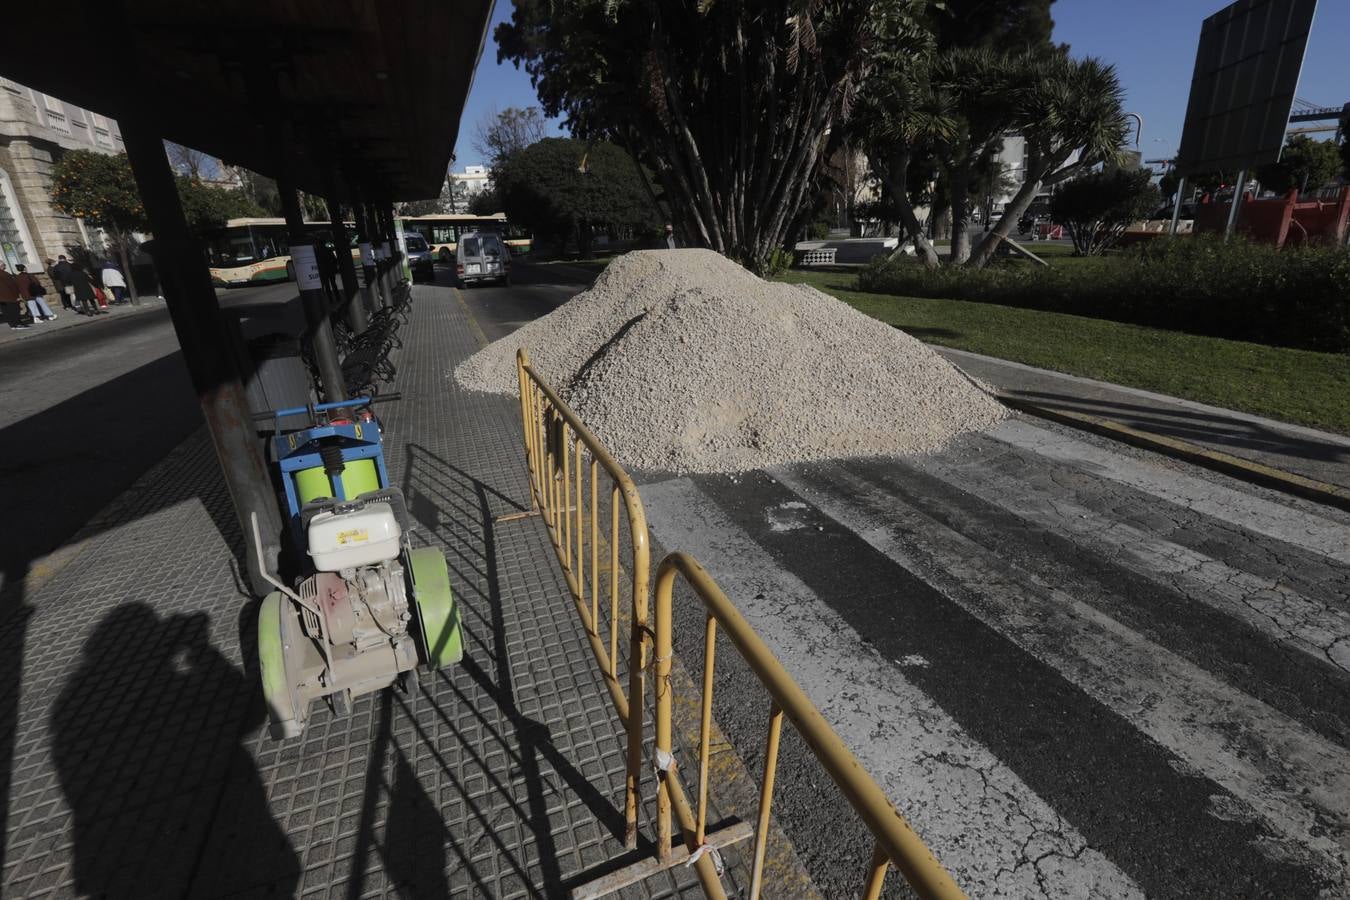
<point x="1246" y="71"/>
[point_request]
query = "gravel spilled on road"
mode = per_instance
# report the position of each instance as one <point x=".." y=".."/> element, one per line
<point x="683" y="361"/>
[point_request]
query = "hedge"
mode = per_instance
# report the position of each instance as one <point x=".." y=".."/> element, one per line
<point x="1296" y="297"/>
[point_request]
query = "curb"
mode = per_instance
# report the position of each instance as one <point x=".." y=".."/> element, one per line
<point x="1215" y="460"/>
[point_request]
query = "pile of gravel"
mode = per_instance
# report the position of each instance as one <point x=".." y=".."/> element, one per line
<point x="681" y="360"/>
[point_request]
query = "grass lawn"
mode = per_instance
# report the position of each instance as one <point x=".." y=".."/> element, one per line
<point x="1290" y="385"/>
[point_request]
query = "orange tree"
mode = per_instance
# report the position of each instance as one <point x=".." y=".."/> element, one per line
<point x="100" y="189"/>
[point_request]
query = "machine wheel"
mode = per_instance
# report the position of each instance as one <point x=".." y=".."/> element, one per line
<point x="285" y="717"/>
<point x="437" y="613"/>
<point x="341" y="702"/>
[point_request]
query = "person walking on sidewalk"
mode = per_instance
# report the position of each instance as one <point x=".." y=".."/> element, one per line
<point x="84" y="291"/>
<point x="114" y="282"/>
<point x="32" y="291"/>
<point x="11" y="302"/>
<point x="60" y="275"/>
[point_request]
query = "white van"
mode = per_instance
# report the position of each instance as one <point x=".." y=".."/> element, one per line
<point x="482" y="256"/>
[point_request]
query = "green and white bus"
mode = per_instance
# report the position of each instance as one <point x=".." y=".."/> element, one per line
<point x="442" y="232"/>
<point x="257" y="251"/>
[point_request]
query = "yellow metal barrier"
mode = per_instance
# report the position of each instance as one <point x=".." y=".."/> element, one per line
<point x="896" y="842"/>
<point x="567" y="464"/>
<point x="564" y="458"/>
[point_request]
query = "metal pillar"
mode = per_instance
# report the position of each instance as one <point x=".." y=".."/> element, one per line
<point x="368" y="295"/>
<point x="386" y="257"/>
<point x="356" y="315"/>
<point x="1176" y="206"/>
<point x="380" y="289"/>
<point x="313" y="299"/>
<point x="1236" y="204"/>
<point x="185" y="282"/>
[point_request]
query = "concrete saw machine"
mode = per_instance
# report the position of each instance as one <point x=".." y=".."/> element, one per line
<point x="369" y="609"/>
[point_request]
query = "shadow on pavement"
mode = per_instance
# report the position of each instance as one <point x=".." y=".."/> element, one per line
<point x="142" y="734"/>
<point x="62" y="466"/>
<point x="455" y="509"/>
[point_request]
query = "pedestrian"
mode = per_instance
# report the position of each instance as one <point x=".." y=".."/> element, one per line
<point x="84" y="291"/>
<point x="114" y="281"/>
<point x="61" y="276"/>
<point x="668" y="242"/>
<point x="32" y="291"/>
<point x="11" y="302"/>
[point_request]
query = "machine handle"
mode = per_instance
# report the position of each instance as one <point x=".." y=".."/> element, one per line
<point x="318" y="407"/>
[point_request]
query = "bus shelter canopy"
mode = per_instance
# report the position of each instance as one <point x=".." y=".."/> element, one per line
<point x="363" y="94"/>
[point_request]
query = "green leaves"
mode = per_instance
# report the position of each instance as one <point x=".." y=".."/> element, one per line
<point x="541" y="188"/>
<point x="100" y="189"/>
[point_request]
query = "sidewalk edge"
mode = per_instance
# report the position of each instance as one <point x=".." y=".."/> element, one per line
<point x="1218" y="461"/>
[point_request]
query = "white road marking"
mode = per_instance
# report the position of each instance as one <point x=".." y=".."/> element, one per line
<point x="1312" y="626"/>
<point x="996" y="836"/>
<point x="1311" y="532"/>
<point x="1296" y="781"/>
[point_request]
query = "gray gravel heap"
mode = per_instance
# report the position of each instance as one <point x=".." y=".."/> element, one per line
<point x="681" y="360"/>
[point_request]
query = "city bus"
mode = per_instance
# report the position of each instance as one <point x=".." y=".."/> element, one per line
<point x="256" y="251"/>
<point x="442" y="232"/>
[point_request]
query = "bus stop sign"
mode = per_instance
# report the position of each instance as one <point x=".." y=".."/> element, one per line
<point x="1246" y="72"/>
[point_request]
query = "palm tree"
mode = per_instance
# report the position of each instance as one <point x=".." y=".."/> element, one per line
<point x="1065" y="106"/>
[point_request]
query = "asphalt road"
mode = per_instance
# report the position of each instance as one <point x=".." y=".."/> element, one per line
<point x="1077" y="668"/>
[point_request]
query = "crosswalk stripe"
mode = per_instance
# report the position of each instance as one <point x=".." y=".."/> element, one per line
<point x="1312" y="626"/>
<point x="1295" y="781"/>
<point x="1282" y="522"/>
<point x="993" y="832"/>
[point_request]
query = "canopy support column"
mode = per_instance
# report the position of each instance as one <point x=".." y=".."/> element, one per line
<point x="185" y="282"/>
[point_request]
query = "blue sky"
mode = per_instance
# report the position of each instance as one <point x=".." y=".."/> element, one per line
<point x="1151" y="43"/>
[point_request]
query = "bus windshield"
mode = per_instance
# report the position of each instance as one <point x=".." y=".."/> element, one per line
<point x="232" y="247"/>
<point x="241" y="245"/>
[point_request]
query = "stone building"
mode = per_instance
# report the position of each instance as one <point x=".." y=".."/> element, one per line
<point x="35" y="130"/>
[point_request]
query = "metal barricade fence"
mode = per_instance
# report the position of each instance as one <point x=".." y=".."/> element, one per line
<point x="564" y="459"/>
<point x="896" y="842"/>
<point x="567" y="465"/>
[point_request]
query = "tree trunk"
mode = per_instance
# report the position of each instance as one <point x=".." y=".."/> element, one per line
<point x="121" y="241"/>
<point x="959" y="185"/>
<point x="893" y="175"/>
<point x="1011" y="214"/>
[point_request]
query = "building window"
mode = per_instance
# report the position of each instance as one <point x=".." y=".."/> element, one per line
<point x="56" y="114"/>
<point x="102" y="138"/>
<point x="16" y="244"/>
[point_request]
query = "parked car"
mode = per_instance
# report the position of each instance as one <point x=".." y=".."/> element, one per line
<point x="482" y="256"/>
<point x="420" y="259"/>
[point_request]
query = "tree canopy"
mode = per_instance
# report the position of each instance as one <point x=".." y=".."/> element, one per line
<point x="727" y="103"/>
<point x="501" y="134"/>
<point x="560" y="187"/>
<point x="1008" y="25"/>
<point x="100" y="189"/>
<point x="1304" y="162"/>
<point x="1099" y="206"/>
<point x="207" y="206"/>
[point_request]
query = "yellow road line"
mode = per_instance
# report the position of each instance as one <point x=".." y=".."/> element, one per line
<point x="1245" y="469"/>
<point x="473" y="322"/>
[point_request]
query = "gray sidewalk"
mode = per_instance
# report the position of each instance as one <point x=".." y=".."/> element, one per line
<point x="1292" y="448"/>
<point x="132" y="724"/>
<point x="68" y="319"/>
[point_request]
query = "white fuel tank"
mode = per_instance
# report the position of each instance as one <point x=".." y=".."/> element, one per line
<point x="360" y="538"/>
